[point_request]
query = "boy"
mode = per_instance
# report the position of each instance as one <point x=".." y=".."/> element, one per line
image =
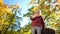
<point x="37" y="22"/>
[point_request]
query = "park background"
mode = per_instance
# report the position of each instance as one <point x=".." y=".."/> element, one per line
<point x="15" y="15"/>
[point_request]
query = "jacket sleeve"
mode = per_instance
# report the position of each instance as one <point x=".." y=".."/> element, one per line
<point x="43" y="25"/>
<point x="31" y="18"/>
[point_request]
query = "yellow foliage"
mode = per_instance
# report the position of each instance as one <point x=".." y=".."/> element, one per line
<point x="1" y="1"/>
<point x="27" y="32"/>
<point x="0" y="20"/>
<point x="4" y="14"/>
<point x="58" y="13"/>
<point x="55" y="25"/>
<point x="36" y="8"/>
<point x="57" y="16"/>
<point x="32" y="1"/>
<point x="58" y="1"/>
<point x="50" y="22"/>
<point x="42" y="0"/>
<point x="5" y="9"/>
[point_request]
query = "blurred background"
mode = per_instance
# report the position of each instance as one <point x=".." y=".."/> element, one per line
<point x="15" y="15"/>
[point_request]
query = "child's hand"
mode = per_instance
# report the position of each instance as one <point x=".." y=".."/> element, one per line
<point x="33" y="16"/>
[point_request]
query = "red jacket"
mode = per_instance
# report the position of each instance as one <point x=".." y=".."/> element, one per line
<point x="37" y="21"/>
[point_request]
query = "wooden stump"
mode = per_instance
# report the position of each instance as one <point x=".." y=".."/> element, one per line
<point x="0" y="32"/>
<point x="46" y="31"/>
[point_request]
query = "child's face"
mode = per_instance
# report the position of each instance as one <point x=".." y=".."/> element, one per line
<point x="37" y="13"/>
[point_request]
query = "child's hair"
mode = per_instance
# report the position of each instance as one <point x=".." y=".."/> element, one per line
<point x="37" y="11"/>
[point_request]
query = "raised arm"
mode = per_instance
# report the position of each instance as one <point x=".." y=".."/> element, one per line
<point x="32" y="17"/>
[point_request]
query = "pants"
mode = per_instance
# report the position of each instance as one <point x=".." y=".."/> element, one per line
<point x="36" y="28"/>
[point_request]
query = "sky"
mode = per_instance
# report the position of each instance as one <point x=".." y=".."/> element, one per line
<point x="24" y="8"/>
